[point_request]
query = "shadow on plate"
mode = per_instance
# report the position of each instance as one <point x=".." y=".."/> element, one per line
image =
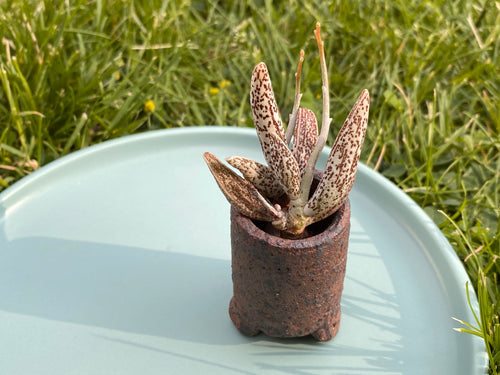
<point x="130" y="289"/>
<point x="148" y="292"/>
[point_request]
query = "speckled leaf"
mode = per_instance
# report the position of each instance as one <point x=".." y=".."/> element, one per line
<point x="305" y="137"/>
<point x="265" y="111"/>
<point x="259" y="175"/>
<point x="239" y="192"/>
<point x="270" y="132"/>
<point x="283" y="165"/>
<point x="342" y="164"/>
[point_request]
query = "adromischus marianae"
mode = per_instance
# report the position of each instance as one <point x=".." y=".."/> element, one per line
<point x="288" y="176"/>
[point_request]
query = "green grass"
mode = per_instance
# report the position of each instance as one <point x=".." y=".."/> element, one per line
<point x="79" y="72"/>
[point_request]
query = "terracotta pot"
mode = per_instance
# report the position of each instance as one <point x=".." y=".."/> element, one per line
<point x="284" y="287"/>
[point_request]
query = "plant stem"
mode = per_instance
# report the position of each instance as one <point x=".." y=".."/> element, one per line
<point x="296" y="104"/>
<point x="325" y="124"/>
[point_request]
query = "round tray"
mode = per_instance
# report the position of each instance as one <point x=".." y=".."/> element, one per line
<point x="116" y="260"/>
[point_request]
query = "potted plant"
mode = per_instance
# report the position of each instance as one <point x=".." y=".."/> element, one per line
<point x="289" y="222"/>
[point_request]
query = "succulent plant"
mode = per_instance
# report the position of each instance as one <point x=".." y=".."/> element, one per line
<point x="279" y="192"/>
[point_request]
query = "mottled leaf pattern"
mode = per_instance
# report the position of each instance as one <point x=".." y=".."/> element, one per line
<point x="342" y="164"/>
<point x="305" y="137"/>
<point x="259" y="175"/>
<point x="239" y="192"/>
<point x="265" y="111"/>
<point x="290" y="172"/>
<point x="270" y="132"/>
<point x="283" y="165"/>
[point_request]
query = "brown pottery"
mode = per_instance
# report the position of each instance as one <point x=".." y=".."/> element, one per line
<point x="288" y="287"/>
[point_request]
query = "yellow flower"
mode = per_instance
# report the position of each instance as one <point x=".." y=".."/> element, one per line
<point x="224" y="83"/>
<point x="149" y="106"/>
<point x="213" y="91"/>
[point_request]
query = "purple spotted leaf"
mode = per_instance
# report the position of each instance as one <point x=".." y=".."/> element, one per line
<point x="342" y="164"/>
<point x="305" y="137"/>
<point x="259" y="175"/>
<point x="270" y="132"/>
<point x="289" y="173"/>
<point x="265" y="110"/>
<point x="240" y="192"/>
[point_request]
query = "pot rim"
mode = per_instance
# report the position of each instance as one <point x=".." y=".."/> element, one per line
<point x="332" y="230"/>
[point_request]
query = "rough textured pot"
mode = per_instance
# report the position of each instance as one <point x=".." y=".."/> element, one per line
<point x="284" y="287"/>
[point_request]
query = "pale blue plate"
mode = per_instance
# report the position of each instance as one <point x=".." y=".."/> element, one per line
<point x="116" y="260"/>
